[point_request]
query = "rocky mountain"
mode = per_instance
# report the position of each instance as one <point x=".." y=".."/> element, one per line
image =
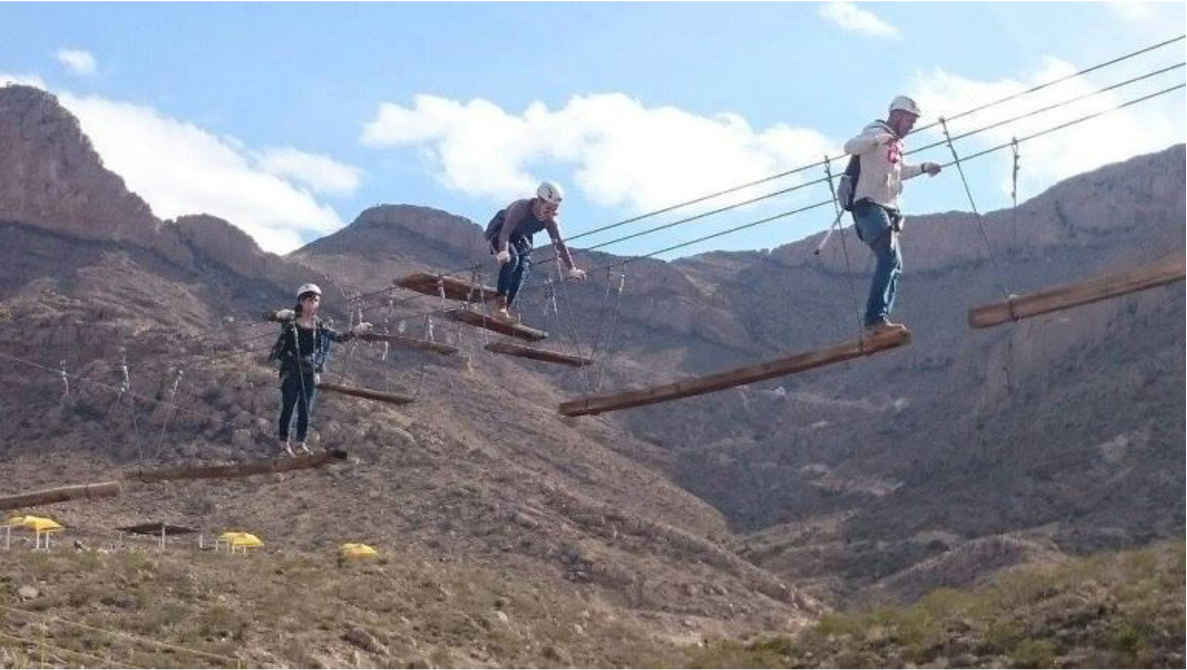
<point x="967" y="452"/>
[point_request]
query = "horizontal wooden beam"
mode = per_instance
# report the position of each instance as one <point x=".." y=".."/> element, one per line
<point x="500" y="326"/>
<point x="1080" y="293"/>
<point x="61" y="494"/>
<point x="455" y="289"/>
<point x="390" y="398"/>
<point x="261" y="467"/>
<point x="115" y="488"/>
<point x="730" y="378"/>
<point x="412" y="342"/>
<point x="546" y="355"/>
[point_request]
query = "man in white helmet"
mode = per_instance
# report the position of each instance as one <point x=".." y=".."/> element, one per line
<point x="876" y="215"/>
<point x="510" y="235"/>
<point x="302" y="350"/>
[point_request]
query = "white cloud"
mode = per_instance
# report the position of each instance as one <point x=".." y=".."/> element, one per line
<point x="23" y="79"/>
<point x="849" y="17"/>
<point x="179" y="168"/>
<point x="1145" y="127"/>
<point x="320" y="173"/>
<point x="77" y="61"/>
<point x="1132" y="10"/>
<point x="623" y="153"/>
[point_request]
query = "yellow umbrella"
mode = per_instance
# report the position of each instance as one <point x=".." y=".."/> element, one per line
<point x="235" y="538"/>
<point x="41" y="524"/>
<point x="246" y="540"/>
<point x="354" y="550"/>
<point x="38" y="524"/>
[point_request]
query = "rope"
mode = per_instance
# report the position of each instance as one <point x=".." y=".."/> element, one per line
<point x="966" y="159"/>
<point x="845" y="251"/>
<point x="43" y="645"/>
<point x="567" y="318"/>
<point x="1058" y="80"/>
<point x="116" y="633"/>
<point x="65" y="381"/>
<point x="1014" y="192"/>
<point x="125" y="388"/>
<point x="1041" y="110"/>
<point x="828" y="160"/>
<point x="949" y="141"/>
<point x="977" y="214"/>
<point x="610" y="336"/>
<point x="168" y="413"/>
<point x="600" y="333"/>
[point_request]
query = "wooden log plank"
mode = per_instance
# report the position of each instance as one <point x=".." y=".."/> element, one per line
<point x="114" y="488"/>
<point x="497" y="325"/>
<point x="262" y="467"/>
<point x="412" y="342"/>
<point x="1079" y="293"/>
<point x="390" y="398"/>
<point x="730" y="378"/>
<point x="455" y="289"/>
<point x="546" y="355"/>
<point x="61" y="494"/>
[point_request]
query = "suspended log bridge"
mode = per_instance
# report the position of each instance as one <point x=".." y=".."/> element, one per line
<point x="113" y="489"/>
<point x="390" y="398"/>
<point x="455" y="289"/>
<point x="264" y="467"/>
<point x="546" y="355"/>
<point x="755" y="373"/>
<point x="500" y="326"/>
<point x="61" y="494"/>
<point x="412" y="342"/>
<point x="1080" y="293"/>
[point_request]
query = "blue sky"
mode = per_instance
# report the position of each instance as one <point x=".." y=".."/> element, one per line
<point x="289" y="119"/>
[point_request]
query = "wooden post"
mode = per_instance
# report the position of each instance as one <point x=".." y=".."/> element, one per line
<point x="61" y="494"/>
<point x="723" y="380"/>
<point x="1080" y="293"/>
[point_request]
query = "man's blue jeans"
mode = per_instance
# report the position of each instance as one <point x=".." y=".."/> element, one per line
<point x="874" y="227"/>
<point x="514" y="271"/>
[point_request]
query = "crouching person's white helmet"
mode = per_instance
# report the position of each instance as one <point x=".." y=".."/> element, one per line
<point x="308" y="288"/>
<point x="550" y="192"/>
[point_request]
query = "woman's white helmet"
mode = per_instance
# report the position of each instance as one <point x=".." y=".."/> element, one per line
<point x="550" y="192"/>
<point x="308" y="288"/>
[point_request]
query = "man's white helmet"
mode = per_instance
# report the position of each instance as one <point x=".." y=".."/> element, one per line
<point x="906" y="104"/>
<point x="550" y="192"/>
<point x="308" y="288"/>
